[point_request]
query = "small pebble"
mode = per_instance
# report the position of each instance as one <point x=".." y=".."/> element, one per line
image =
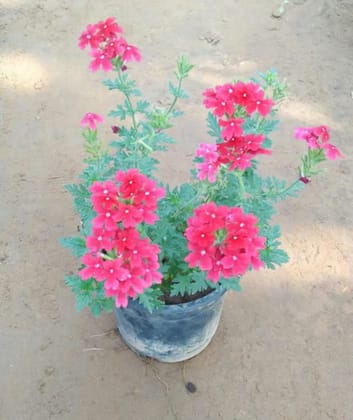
<point x="191" y="387"/>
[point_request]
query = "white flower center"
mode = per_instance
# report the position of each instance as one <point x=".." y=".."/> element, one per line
<point x="107" y="214"/>
<point x="242" y="224"/>
<point x="99" y="238"/>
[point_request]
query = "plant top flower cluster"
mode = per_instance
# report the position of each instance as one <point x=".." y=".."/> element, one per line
<point x="107" y="43"/>
<point x="140" y="238"/>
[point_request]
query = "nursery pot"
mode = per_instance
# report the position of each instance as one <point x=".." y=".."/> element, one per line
<point x="173" y="333"/>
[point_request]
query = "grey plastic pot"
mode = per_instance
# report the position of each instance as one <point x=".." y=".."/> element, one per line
<point x="174" y="333"/>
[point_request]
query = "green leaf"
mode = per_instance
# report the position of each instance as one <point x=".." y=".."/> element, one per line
<point x="183" y="67"/>
<point x="74" y="282"/>
<point x="199" y="282"/>
<point x="180" y="286"/>
<point x="141" y="106"/>
<point x="96" y="308"/>
<point x="230" y="284"/>
<point x="82" y="301"/>
<point x="119" y="112"/>
<point x="150" y="299"/>
<point x="272" y="255"/>
<point x="214" y="128"/>
<point x="75" y="244"/>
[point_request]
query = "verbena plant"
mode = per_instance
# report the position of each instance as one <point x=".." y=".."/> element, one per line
<point x="141" y="239"/>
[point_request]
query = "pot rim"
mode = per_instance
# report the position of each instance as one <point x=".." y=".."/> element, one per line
<point x="176" y="308"/>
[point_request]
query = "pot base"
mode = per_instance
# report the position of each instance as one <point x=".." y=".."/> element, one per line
<point x="174" y="333"/>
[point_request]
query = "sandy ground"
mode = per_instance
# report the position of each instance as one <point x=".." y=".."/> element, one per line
<point x="284" y="348"/>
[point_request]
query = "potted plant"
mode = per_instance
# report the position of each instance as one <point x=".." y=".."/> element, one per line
<point x="164" y="257"/>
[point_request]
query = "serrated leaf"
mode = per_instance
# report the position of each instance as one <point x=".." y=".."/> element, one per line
<point x="181" y="286"/>
<point x="214" y="128"/>
<point x="199" y="282"/>
<point x="75" y="244"/>
<point x="74" y="282"/>
<point x="150" y="299"/>
<point x="96" y="308"/>
<point x="141" y="106"/>
<point x="230" y="284"/>
<point x="82" y="301"/>
<point x="119" y="112"/>
<point x="173" y="89"/>
<point x="274" y="256"/>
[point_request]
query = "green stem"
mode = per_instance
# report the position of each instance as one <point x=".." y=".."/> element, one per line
<point x="239" y="175"/>
<point x="128" y="101"/>
<point x="176" y="96"/>
<point x="290" y="187"/>
<point x="106" y="257"/>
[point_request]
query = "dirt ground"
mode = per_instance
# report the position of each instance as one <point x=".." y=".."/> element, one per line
<point x="284" y="348"/>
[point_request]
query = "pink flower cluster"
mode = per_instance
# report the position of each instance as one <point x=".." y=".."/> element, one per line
<point x="118" y="255"/>
<point x="105" y="40"/>
<point x="318" y="138"/>
<point x="224" y="99"/>
<point x="223" y="241"/>
<point x="237" y="149"/>
<point x="90" y="119"/>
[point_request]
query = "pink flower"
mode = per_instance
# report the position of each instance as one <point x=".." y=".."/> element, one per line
<point x="100" y="240"/>
<point x="108" y="29"/>
<point x="94" y="267"/>
<point x="307" y="134"/>
<point x="89" y="37"/>
<point x="259" y="104"/>
<point x="232" y="127"/>
<point x="332" y="152"/>
<point x="209" y="167"/>
<point x="126" y="239"/>
<point x="238" y="151"/>
<point x="100" y="59"/>
<point x="131" y="181"/>
<point x="318" y="138"/>
<point x="107" y="221"/>
<point x="245" y="93"/>
<point x="104" y="196"/>
<point x="216" y="98"/>
<point x="90" y="120"/>
<point x="128" y="52"/>
<point x="323" y="132"/>
<point x="226" y="245"/>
